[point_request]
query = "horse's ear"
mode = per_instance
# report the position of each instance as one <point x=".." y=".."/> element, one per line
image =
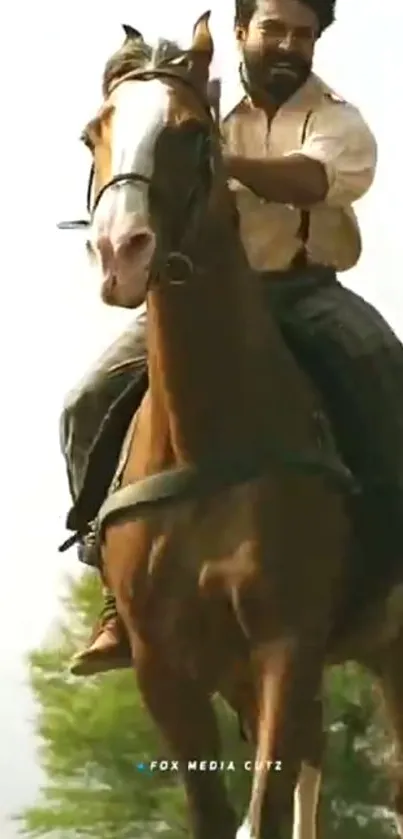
<point x="202" y="50"/>
<point x="131" y="33"/>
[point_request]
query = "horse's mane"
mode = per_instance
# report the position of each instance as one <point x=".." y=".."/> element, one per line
<point x="136" y="54"/>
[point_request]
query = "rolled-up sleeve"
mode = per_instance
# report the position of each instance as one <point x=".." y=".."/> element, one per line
<point x="339" y="138"/>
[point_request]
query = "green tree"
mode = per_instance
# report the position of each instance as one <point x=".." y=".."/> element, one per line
<point x="94" y="737"/>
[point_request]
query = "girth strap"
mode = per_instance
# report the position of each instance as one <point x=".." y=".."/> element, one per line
<point x="186" y="483"/>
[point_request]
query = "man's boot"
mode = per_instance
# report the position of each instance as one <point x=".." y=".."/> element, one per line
<point x="109" y="647"/>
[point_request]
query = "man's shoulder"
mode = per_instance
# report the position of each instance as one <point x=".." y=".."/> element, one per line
<point x="334" y="109"/>
<point x="337" y="117"/>
<point x="326" y="97"/>
<point x="316" y="92"/>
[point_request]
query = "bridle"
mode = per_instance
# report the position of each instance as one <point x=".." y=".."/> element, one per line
<point x="175" y="256"/>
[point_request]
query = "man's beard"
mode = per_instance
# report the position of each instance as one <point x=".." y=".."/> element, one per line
<point x="278" y="74"/>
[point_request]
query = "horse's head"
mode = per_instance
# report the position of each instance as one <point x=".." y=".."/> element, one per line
<point x="153" y="143"/>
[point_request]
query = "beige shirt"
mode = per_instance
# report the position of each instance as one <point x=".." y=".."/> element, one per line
<point x="317" y="123"/>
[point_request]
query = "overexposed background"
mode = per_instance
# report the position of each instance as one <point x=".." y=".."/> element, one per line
<point x="52" y="324"/>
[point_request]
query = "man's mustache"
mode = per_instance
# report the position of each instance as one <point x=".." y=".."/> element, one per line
<point x="289" y="62"/>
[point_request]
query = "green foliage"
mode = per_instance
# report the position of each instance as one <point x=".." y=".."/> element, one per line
<point x="356" y="787"/>
<point x="93" y="733"/>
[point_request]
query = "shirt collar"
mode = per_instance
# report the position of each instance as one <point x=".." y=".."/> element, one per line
<point x="234" y="97"/>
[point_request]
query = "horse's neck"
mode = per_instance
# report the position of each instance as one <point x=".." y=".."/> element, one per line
<point x="215" y="353"/>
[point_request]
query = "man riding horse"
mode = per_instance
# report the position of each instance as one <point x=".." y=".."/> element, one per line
<point x="298" y="156"/>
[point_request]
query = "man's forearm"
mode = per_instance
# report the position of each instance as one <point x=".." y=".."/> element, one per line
<point x="295" y="180"/>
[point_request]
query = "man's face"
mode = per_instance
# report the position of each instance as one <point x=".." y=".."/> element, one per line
<point x="278" y="47"/>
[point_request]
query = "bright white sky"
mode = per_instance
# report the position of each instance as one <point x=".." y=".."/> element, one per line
<point x="52" y="324"/>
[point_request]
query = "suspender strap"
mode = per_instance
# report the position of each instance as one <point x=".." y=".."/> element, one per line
<point x="301" y="258"/>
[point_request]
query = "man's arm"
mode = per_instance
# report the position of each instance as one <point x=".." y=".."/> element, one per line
<point x="295" y="179"/>
<point x="335" y="164"/>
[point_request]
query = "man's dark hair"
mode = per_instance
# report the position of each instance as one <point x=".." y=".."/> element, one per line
<point x="324" y="10"/>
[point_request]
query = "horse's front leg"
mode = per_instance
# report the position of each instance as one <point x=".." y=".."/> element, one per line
<point x="306" y="796"/>
<point x="288" y="683"/>
<point x="178" y="704"/>
<point x="184" y="715"/>
<point x="286" y="612"/>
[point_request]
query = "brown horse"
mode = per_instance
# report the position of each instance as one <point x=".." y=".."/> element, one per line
<point x="237" y="589"/>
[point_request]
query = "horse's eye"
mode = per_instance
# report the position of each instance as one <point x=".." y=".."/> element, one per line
<point x="90" y="250"/>
<point x="86" y="139"/>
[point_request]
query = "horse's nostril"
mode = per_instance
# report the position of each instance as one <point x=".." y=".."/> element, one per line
<point x="134" y="244"/>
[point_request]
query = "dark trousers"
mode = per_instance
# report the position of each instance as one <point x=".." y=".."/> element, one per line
<point x="87" y="405"/>
<point x="356" y="361"/>
<point x="342" y="342"/>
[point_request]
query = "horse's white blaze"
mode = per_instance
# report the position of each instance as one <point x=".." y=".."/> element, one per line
<point x="139" y="115"/>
